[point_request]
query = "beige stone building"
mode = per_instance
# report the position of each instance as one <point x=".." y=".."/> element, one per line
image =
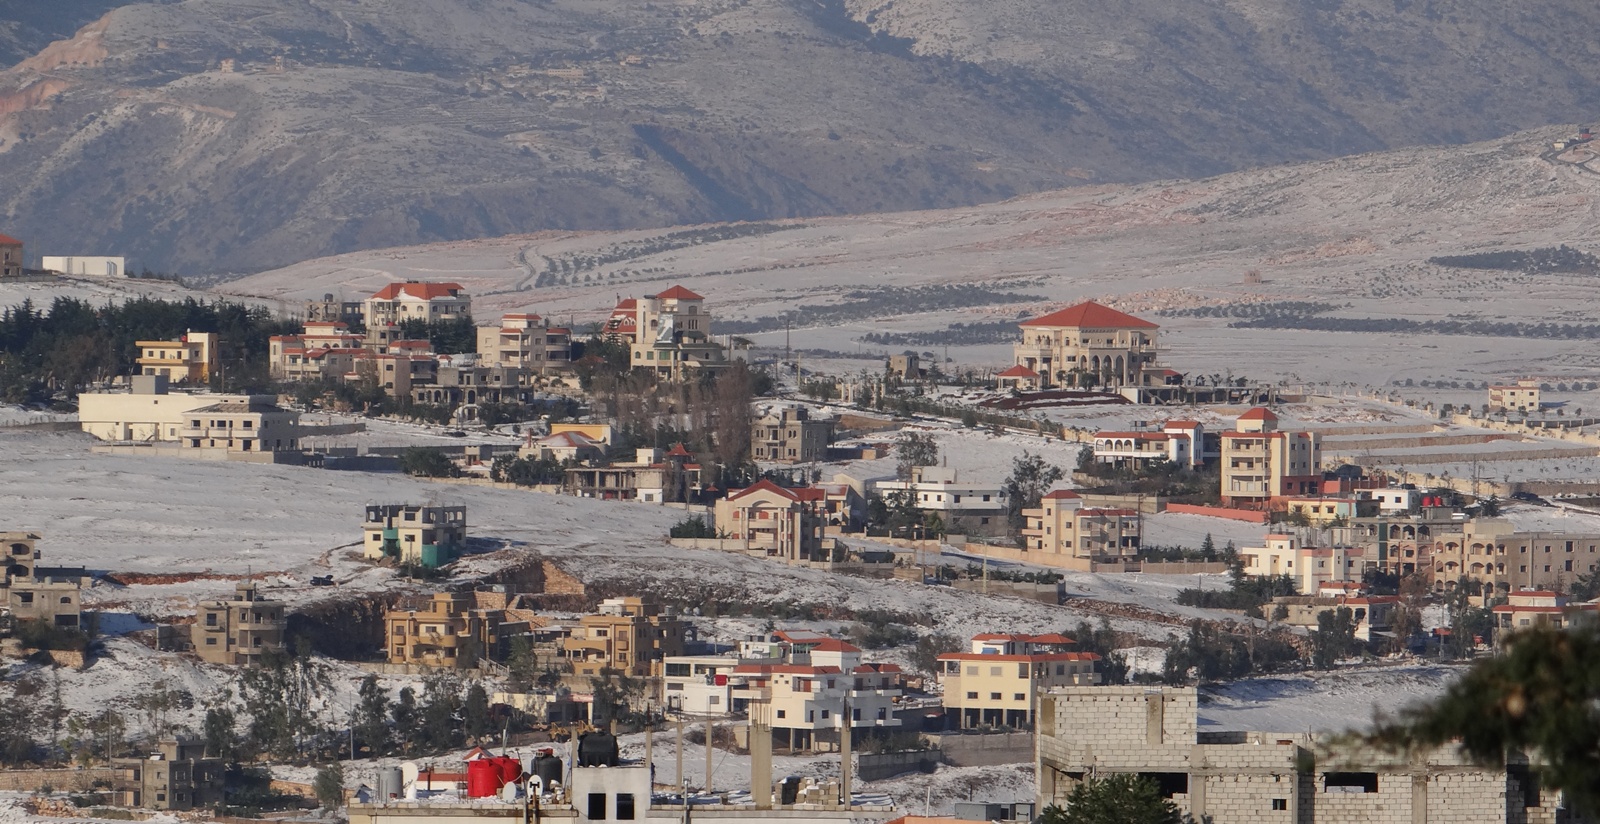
<point x="1522" y="396"/>
<point x="631" y="635"/>
<point x="190" y="359"/>
<point x="997" y="682"/>
<point x="455" y="629"/>
<point x="1310" y="567"/>
<point x="177" y="777"/>
<point x="1065" y="534"/>
<point x="416" y="300"/>
<point x="30" y="592"/>
<point x="149" y="413"/>
<point x="1267" y="777"/>
<point x="10" y="257"/>
<point x="429" y="536"/>
<point x="238" y="631"/>
<point x="785" y="523"/>
<point x="526" y="341"/>
<point x="789" y="434"/>
<point x="1261" y="463"/>
<point x="1526" y="608"/>
<point x="815" y="690"/>
<point x="1089" y="345"/>
<point x="256" y="425"/>
<point x="670" y="335"/>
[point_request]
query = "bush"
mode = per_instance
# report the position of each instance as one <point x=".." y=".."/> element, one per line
<point x="427" y="463"/>
<point x="693" y="526"/>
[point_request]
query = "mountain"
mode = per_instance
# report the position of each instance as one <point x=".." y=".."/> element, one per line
<point x="209" y="136"/>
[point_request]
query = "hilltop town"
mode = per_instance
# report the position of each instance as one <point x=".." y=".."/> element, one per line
<point x="393" y="555"/>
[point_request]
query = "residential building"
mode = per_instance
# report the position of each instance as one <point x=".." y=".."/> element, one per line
<point x="455" y="629"/>
<point x="256" y="425"/>
<point x="1394" y="499"/>
<point x="458" y="381"/>
<point x="189" y="359"/>
<point x="623" y="324"/>
<point x="997" y="682"/>
<point x="149" y="412"/>
<point x="1492" y="551"/>
<point x="1525" y="608"/>
<point x="1180" y="443"/>
<point x="905" y="366"/>
<point x="672" y="335"/>
<point x="1325" y="510"/>
<point x="1372" y="614"/>
<point x="1064" y="534"/>
<point x="1267" y="777"/>
<point x="239" y="631"/>
<point x="398" y="374"/>
<point x="566" y="447"/>
<point x="784" y="523"/>
<point x="29" y="592"/>
<point x="82" y="266"/>
<point x="633" y="636"/>
<point x="809" y="696"/>
<point x="1522" y="396"/>
<point x="10" y="257"/>
<point x="1261" y="463"/>
<point x="526" y="341"/>
<point x="304" y="356"/>
<point x="1089" y="345"/>
<point x="1310" y="567"/>
<point x="333" y="310"/>
<point x="416" y="300"/>
<point x="964" y="508"/>
<point x="177" y="777"/>
<point x="699" y="685"/>
<point x="429" y="536"/>
<point x="789" y="434"/>
<point x="653" y="477"/>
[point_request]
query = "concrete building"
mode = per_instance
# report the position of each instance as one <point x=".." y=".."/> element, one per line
<point x="416" y="300"/>
<point x="785" y="523"/>
<point x="671" y="335"/>
<point x="1089" y="345"/>
<point x="1522" y="396"/>
<point x="1261" y="463"/>
<point x="526" y="341"/>
<point x="1182" y="443"/>
<point x="1063" y="533"/>
<point x="997" y="682"/>
<point x="652" y="477"/>
<point x="1267" y="777"/>
<point x="238" y="631"/>
<point x="631" y="635"/>
<point x="333" y="309"/>
<point x="10" y="257"/>
<point x="1526" y="608"/>
<point x="177" y="777"/>
<point x="789" y="434"/>
<point x="428" y="536"/>
<point x="965" y="508"/>
<point x="253" y="426"/>
<point x="190" y="359"/>
<point x="81" y="266"/>
<point x="30" y="592"/>
<point x="1373" y="614"/>
<point x="450" y="629"/>
<point x="811" y="695"/>
<point x="1309" y="567"/>
<point x="699" y="685"/>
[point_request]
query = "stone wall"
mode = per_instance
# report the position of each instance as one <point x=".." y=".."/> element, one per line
<point x="985" y="749"/>
<point x="27" y="781"/>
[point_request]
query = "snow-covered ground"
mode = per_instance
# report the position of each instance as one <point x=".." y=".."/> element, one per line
<point x="1324" y="702"/>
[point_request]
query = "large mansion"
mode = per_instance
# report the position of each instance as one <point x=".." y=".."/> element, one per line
<point x="1089" y="345"/>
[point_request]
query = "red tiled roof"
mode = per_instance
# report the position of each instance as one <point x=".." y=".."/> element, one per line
<point x="7" y="240"/>
<point x="1259" y="413"/>
<point x="1050" y="656"/>
<point x="679" y="452"/>
<point x="678" y="293"/>
<point x="763" y="485"/>
<point x="1091" y="315"/>
<point x="1001" y="636"/>
<point x="783" y="669"/>
<point x="425" y="291"/>
<point x="1063" y="494"/>
<point x="835" y="645"/>
<point x="1019" y="371"/>
<point x="1180" y="424"/>
<point x="1136" y="436"/>
<point x="1052" y="638"/>
<point x="878" y="668"/>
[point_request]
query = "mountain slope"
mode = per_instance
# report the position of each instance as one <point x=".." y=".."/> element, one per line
<point x="209" y="135"/>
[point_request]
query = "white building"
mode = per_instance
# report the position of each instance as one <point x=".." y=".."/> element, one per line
<point x="970" y="508"/>
<point x="1178" y="442"/>
<point x="110" y="267"/>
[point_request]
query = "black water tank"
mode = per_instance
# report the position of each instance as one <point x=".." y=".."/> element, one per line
<point x="548" y="769"/>
<point x="598" y="749"/>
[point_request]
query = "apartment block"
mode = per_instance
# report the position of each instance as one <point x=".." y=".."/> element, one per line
<point x="1089" y="345"/>
<point x="1526" y="608"/>
<point x="416" y="300"/>
<point x="631" y="635"/>
<point x="997" y="682"/>
<point x="1268" y="777"/>
<point x="1065" y="534"/>
<point x="449" y="629"/>
<point x="816" y="690"/>
<point x="790" y="434"/>
<point x="1522" y="396"/>
<point x="964" y="507"/>
<point x="652" y="477"/>
<point x="177" y="777"/>
<point x="1310" y="567"/>
<point x="526" y="341"/>
<point x="10" y="257"/>
<point x="785" y="523"/>
<point x="239" y="631"/>
<point x="253" y="425"/>
<point x="30" y="592"/>
<point x="190" y="359"/>
<point x="1261" y="463"/>
<point x="670" y="334"/>
<point x="423" y="535"/>
<point x="699" y="685"/>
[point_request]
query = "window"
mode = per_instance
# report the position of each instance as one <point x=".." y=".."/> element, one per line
<point x="783" y="713"/>
<point x="994" y="696"/>
<point x="1350" y="782"/>
<point x="624" y="806"/>
<point x="1021" y="696"/>
<point x="597" y="806"/>
<point x="1280" y="803"/>
<point x="211" y="642"/>
<point x="972" y="695"/>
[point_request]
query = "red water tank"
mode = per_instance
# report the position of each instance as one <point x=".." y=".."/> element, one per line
<point x="510" y="769"/>
<point x="483" y="778"/>
<point x="720" y="680"/>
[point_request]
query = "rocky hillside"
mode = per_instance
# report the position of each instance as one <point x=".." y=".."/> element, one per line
<point x="237" y="135"/>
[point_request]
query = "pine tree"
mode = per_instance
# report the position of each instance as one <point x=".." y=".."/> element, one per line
<point x="404" y="714"/>
<point x="1117" y="799"/>
<point x="329" y="786"/>
<point x="475" y="712"/>
<point x="372" y="716"/>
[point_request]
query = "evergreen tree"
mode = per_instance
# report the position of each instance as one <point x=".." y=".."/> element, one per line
<point x="522" y="665"/>
<point x="1116" y="799"/>
<point x="372" y="716"/>
<point x="329" y="786"/>
<point x="218" y="731"/>
<point x="405" y="715"/>
<point x="475" y="712"/>
<point x="1030" y="479"/>
<point x="1334" y="638"/>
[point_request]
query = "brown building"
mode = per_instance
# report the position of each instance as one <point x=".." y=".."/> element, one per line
<point x="178" y="777"/>
<point x="29" y="592"/>
<point x="630" y="635"/>
<point x="456" y="629"/>
<point x="10" y="257"/>
<point x="239" y="631"/>
<point x="789" y="435"/>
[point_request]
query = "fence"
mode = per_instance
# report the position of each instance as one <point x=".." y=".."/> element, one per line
<point x="1250" y="516"/>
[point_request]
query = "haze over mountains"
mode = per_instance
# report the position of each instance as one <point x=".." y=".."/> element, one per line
<point x="359" y="124"/>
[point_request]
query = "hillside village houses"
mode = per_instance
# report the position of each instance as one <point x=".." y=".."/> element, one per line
<point x="768" y="519"/>
<point x="997" y="682"/>
<point x="1260" y="463"/>
<point x="1522" y="396"/>
<point x="428" y="535"/>
<point x="239" y="631"/>
<point x="670" y="334"/>
<point x="1183" y="443"/>
<point x="963" y="507"/>
<point x="190" y="359"/>
<point x="415" y="300"/>
<point x="30" y="592"/>
<point x="1064" y="534"/>
<point x="456" y="629"/>
<point x="1527" y="607"/>
<point x="789" y="434"/>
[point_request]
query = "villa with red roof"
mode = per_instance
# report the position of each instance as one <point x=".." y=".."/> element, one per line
<point x="668" y="332"/>
<point x="997" y="683"/>
<point x="10" y="257"/>
<point x="1088" y="345"/>
<point x="1179" y="442"/>
<point x="416" y="300"/>
<point x="770" y="520"/>
<point x="1260" y="463"/>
